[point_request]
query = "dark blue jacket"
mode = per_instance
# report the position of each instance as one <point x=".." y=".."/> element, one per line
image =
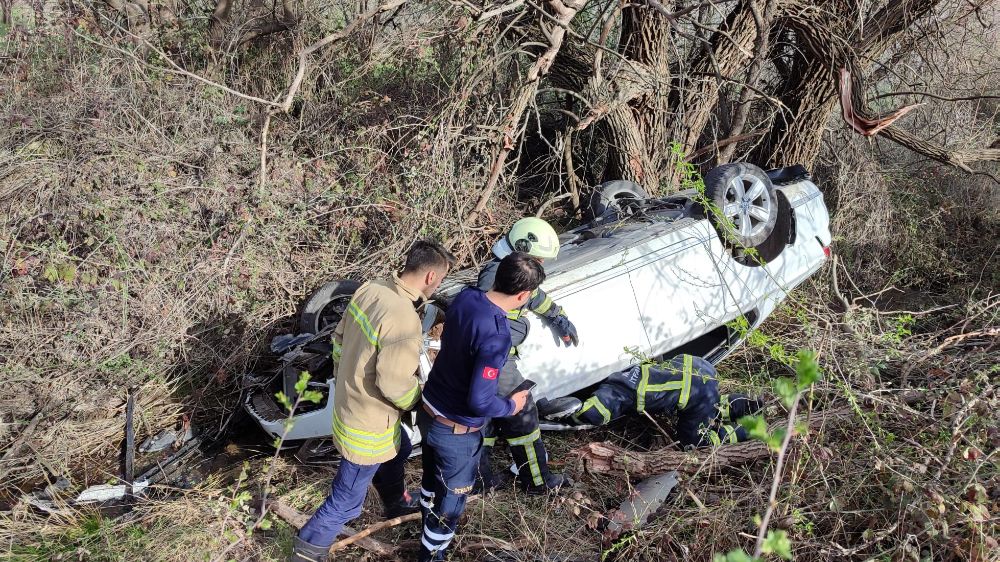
<point x="462" y="384"/>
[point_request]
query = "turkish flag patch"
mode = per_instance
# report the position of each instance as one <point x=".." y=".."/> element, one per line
<point x="490" y="373"/>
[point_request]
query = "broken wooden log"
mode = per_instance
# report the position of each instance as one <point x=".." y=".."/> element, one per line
<point x="297" y="519"/>
<point x="374" y="528"/>
<point x="607" y="457"/>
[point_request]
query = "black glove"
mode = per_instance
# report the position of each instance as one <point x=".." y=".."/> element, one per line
<point x="566" y="330"/>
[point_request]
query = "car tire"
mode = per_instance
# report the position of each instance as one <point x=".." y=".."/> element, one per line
<point x="326" y="306"/>
<point x="782" y="235"/>
<point x="611" y="196"/>
<point x="743" y="204"/>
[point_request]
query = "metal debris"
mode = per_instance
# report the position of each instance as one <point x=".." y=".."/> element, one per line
<point x="166" y="439"/>
<point x="648" y="496"/>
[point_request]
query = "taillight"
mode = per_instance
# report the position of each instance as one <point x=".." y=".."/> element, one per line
<point x="826" y="249"/>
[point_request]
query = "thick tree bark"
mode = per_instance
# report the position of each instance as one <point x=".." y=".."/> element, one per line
<point x="637" y="116"/>
<point x="810" y="92"/>
<point x="667" y="85"/>
<point x="729" y="51"/>
<point x="797" y="132"/>
<point x="628" y="156"/>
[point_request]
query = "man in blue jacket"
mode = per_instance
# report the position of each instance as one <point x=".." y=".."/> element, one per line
<point x="460" y="396"/>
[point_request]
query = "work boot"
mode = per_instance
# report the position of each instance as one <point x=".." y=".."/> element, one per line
<point x="558" y="408"/>
<point x="405" y="505"/>
<point x="491" y="482"/>
<point x="553" y="484"/>
<point x="742" y="405"/>
<point x="526" y="466"/>
<point x="306" y="552"/>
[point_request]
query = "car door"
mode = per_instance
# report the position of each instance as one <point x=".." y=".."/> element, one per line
<point x="591" y="282"/>
<point x="678" y="283"/>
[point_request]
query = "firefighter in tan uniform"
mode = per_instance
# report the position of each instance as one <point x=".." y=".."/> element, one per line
<point x="376" y="349"/>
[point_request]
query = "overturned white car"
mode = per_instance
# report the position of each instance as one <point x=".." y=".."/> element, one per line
<point x="646" y="277"/>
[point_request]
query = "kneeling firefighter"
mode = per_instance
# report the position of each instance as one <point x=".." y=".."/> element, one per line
<point x="539" y="240"/>
<point x="685" y="385"/>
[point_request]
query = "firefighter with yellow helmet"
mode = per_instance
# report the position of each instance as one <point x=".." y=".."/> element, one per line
<point x="538" y="239"/>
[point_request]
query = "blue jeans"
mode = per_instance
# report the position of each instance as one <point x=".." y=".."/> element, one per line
<point x="450" y="462"/>
<point x="348" y="491"/>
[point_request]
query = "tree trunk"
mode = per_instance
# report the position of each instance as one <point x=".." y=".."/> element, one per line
<point x="795" y="138"/>
<point x="730" y="49"/>
<point x="628" y="156"/>
<point x="810" y="89"/>
<point x="637" y="117"/>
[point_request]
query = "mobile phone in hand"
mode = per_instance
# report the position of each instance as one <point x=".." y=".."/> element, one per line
<point x="526" y="385"/>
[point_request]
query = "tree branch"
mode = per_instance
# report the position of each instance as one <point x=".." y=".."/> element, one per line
<point x="958" y="158"/>
<point x="565" y="11"/>
<point x="331" y="38"/>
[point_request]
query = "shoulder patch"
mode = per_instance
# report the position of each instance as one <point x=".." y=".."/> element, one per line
<point x="490" y="373"/>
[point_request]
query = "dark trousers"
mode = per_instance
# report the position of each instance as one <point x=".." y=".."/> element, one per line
<point x="707" y="419"/>
<point x="521" y="433"/>
<point x="348" y="491"/>
<point x="449" y="461"/>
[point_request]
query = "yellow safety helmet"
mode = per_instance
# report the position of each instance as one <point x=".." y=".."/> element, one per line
<point x="534" y="237"/>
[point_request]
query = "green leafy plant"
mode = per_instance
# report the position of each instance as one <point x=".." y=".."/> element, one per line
<point x="239" y="506"/>
<point x="691" y="179"/>
<point x="901" y="327"/>
<point x="789" y="391"/>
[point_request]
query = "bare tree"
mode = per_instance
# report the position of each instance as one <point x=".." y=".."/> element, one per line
<point x="758" y="78"/>
<point x="6" y="12"/>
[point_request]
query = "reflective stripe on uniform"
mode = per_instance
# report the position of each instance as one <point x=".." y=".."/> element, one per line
<point x="544" y="307"/>
<point x="528" y="442"/>
<point x="686" y="380"/>
<point x="714" y="438"/>
<point x="433" y="548"/>
<point x="336" y="352"/>
<point x="408" y="400"/>
<point x="517" y="312"/>
<point x="426" y="498"/>
<point x="645" y="388"/>
<point x="724" y="407"/>
<point x="594" y="402"/>
<point x="362" y="320"/>
<point x="529" y="438"/>
<point x="365" y="443"/>
<point x="489" y="441"/>
<point x="437" y="537"/>
<point x="640" y="391"/>
<point x="731" y="435"/>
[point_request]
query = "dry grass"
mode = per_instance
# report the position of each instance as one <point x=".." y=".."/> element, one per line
<point x="139" y="251"/>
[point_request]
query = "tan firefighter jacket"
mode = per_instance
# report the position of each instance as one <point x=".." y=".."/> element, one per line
<point x="376" y="349"/>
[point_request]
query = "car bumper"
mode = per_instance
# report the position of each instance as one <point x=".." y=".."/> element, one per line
<point x="266" y="411"/>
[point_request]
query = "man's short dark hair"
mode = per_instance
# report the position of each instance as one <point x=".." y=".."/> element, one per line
<point x="427" y="254"/>
<point x="518" y="272"/>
